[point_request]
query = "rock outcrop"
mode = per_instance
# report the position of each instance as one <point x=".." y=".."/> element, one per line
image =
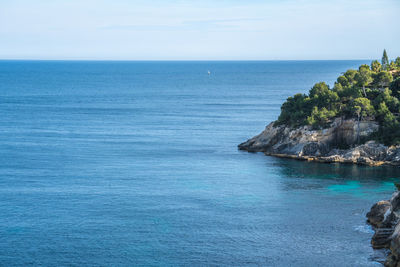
<point x="376" y="216"/>
<point x="385" y="217"/>
<point x="333" y="144"/>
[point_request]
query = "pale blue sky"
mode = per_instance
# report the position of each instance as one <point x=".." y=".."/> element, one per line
<point x="199" y="30"/>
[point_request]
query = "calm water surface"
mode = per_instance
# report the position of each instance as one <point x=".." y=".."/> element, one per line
<point x="135" y="163"/>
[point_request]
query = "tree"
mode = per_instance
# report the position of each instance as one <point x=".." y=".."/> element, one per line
<point x="319" y="89"/>
<point x="397" y="62"/>
<point x="351" y="92"/>
<point x="390" y="101"/>
<point x="376" y="66"/>
<point x="362" y="108"/>
<point x="385" y="60"/>
<point x="392" y="66"/>
<point x="322" y="96"/>
<point x="395" y="88"/>
<point x="384" y="113"/>
<point x="383" y="79"/>
<point x="363" y="77"/>
<point x="320" y="117"/>
<point x="338" y="88"/>
<point x="343" y="89"/>
<point x="295" y="110"/>
<point x="388" y="132"/>
<point x="350" y="75"/>
<point x="342" y="80"/>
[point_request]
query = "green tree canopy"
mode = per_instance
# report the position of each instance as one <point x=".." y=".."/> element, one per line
<point x="362" y="107"/>
<point x="383" y="79"/>
<point x="389" y="130"/>
<point x="384" y="113"/>
<point x="395" y="88"/>
<point x="376" y="66"/>
<point x="397" y="62"/>
<point x="321" y="95"/>
<point x="363" y="77"/>
<point x="350" y="75"/>
<point x="320" y="117"/>
<point x="342" y="80"/>
<point x="390" y="101"/>
<point x="295" y="110"/>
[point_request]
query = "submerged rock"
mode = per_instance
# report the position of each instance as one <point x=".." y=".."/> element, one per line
<point x="324" y="145"/>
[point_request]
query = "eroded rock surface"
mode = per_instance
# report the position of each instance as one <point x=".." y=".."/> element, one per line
<point x="324" y="145"/>
<point x="376" y="215"/>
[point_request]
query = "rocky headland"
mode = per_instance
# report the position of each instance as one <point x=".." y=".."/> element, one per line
<point x="340" y="124"/>
<point x="340" y="142"/>
<point x="356" y="122"/>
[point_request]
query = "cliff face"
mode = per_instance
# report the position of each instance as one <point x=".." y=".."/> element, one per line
<point x="324" y="145"/>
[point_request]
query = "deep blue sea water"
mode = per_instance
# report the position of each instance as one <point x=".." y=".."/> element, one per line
<point x="136" y="163"/>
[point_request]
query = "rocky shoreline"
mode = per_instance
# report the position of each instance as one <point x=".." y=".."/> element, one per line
<point x="330" y="145"/>
<point x="384" y="217"/>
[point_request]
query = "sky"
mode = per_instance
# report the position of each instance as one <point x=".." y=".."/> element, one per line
<point x="199" y="29"/>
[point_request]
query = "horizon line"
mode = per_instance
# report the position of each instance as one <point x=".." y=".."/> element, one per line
<point x="181" y="60"/>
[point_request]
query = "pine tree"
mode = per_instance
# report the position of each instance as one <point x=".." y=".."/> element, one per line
<point x="385" y="60"/>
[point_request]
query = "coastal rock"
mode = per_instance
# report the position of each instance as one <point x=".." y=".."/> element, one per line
<point x="381" y="238"/>
<point x="325" y="145"/>
<point x="395" y="204"/>
<point x="394" y="257"/>
<point x="377" y="213"/>
<point x="384" y="216"/>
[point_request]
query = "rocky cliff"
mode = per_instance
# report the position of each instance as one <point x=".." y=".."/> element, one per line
<point x="384" y="216"/>
<point x="334" y="144"/>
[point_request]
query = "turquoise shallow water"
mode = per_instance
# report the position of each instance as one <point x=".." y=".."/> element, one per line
<point x="136" y="163"/>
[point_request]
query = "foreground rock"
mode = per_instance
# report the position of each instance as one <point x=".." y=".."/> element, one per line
<point x="333" y="144"/>
<point x="376" y="216"/>
<point x="385" y="217"/>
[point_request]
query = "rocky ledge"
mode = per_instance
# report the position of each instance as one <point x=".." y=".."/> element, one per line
<point x="384" y="217"/>
<point x="337" y="143"/>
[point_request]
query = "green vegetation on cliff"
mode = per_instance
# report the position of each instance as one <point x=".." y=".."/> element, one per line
<point x="369" y="93"/>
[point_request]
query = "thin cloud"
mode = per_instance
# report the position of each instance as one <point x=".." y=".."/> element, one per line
<point x="186" y="25"/>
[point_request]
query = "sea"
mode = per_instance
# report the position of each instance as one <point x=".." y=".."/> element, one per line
<point x="135" y="163"/>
